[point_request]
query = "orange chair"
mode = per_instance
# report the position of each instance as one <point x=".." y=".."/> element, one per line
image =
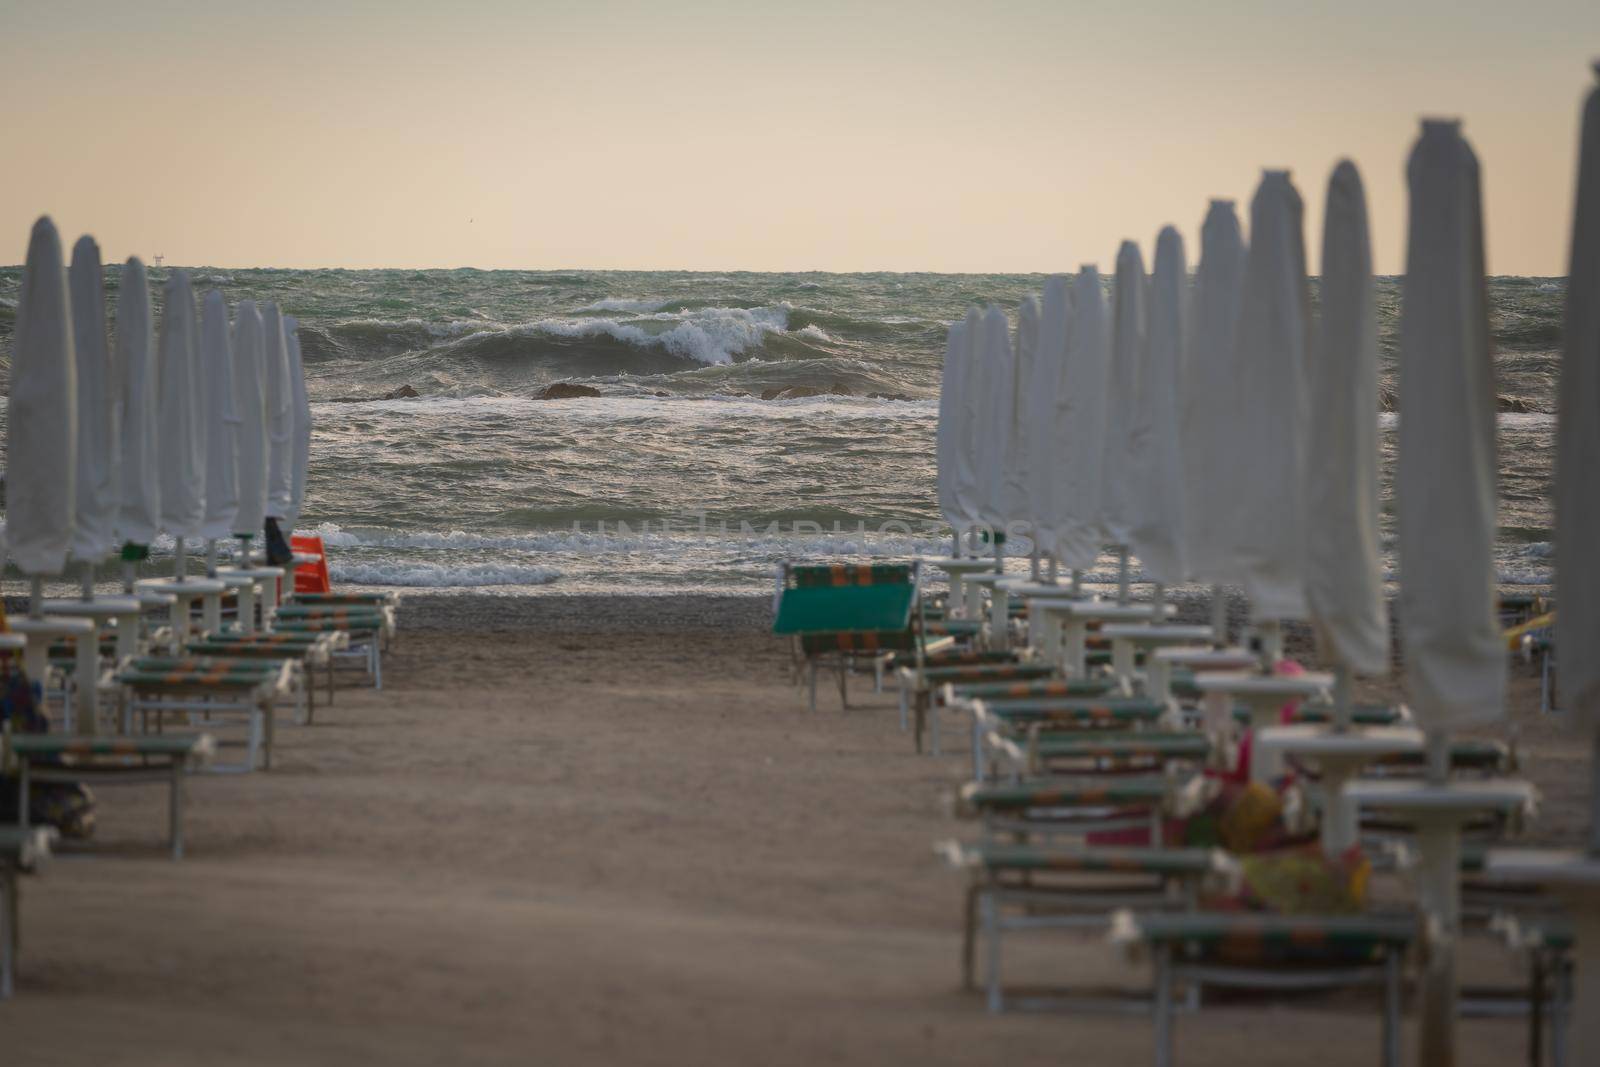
<point x="310" y="577"/>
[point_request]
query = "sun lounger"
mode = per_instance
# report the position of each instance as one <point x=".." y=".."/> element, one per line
<point x="925" y="683"/>
<point x="1015" y="717"/>
<point x="112" y="761"/>
<point x="1269" y="952"/>
<point x="1544" y="944"/>
<point x="1067" y="886"/>
<point x="202" y="687"/>
<point x="22" y="851"/>
<point x="1082" y="804"/>
<point x="311" y="650"/>
<point x="1045" y="752"/>
<point x="364" y="627"/>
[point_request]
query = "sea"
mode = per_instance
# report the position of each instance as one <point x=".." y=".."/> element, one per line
<point x="742" y="419"/>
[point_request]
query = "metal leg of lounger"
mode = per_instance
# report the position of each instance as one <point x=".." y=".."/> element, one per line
<point x="308" y="689"/>
<point x="904" y="710"/>
<point x="1391" y="1008"/>
<point x="1163" y="1005"/>
<point x="991" y="933"/>
<point x="877" y="674"/>
<point x="23" y="774"/>
<point x="969" y="936"/>
<point x="1560" y="1011"/>
<point x="175" y="810"/>
<point x="1536" y="1006"/>
<point x="330" y="677"/>
<point x="377" y="665"/>
<point x="267" y="711"/>
<point x="844" y="681"/>
<point x="8" y="932"/>
<point x="811" y="668"/>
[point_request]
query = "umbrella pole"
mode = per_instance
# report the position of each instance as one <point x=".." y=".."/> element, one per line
<point x="1077" y="582"/>
<point x="1054" y="571"/>
<point x="1123" y="594"/>
<point x="1270" y="633"/>
<point x="87" y="587"/>
<point x="1219" y="616"/>
<point x="1158" y="600"/>
<point x="35" y="596"/>
<point x="1341" y="698"/>
<point x="180" y="564"/>
<point x="211" y="557"/>
<point x="1033" y="564"/>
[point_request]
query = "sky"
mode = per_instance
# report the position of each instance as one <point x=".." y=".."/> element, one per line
<point x="746" y="134"/>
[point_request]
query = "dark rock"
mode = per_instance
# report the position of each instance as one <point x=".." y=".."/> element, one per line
<point x="658" y="392"/>
<point x="405" y="392"/>
<point x="566" y="391"/>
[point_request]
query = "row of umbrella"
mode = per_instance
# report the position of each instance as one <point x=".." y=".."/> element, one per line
<point x="1225" y="434"/>
<point x="200" y="429"/>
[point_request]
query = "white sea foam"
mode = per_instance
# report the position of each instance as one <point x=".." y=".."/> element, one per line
<point x="816" y="333"/>
<point x="624" y="303"/>
<point x="431" y="575"/>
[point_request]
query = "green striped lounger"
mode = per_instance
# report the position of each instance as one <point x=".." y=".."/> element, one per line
<point x="365" y="630"/>
<point x="310" y="650"/>
<point x="202" y="687"/>
<point x="1267" y="951"/>
<point x="1083" y="804"/>
<point x="112" y="761"/>
<point x="1013" y="718"/>
<point x="1068" y="886"/>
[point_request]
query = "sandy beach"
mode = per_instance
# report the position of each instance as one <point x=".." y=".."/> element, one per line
<point x="592" y="830"/>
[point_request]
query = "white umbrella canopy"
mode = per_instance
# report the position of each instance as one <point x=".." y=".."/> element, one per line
<point x="1209" y="396"/>
<point x="220" y="417"/>
<point x="42" y="419"/>
<point x="1045" y="403"/>
<point x="250" y="406"/>
<point x="958" y="348"/>
<point x="1445" y="483"/>
<point x="302" y="422"/>
<point x="180" y="438"/>
<point x="1156" y="534"/>
<point x="279" y="413"/>
<point x="997" y="418"/>
<point x="1076" y="505"/>
<point x="138" y="465"/>
<point x="1122" y="394"/>
<point x="94" y="533"/>
<point x="1014" y="501"/>
<point x="1267" y="422"/>
<point x="1344" y="580"/>
<point x="1578" y="453"/>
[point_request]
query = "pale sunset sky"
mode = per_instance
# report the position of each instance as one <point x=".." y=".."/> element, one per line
<point x="747" y="134"/>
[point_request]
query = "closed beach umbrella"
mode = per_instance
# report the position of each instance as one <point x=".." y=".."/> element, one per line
<point x="1083" y="412"/>
<point x="1268" y="418"/>
<point x="302" y="422"/>
<point x="138" y="465"/>
<point x="279" y="413"/>
<point x="95" y="515"/>
<point x="220" y="416"/>
<point x="1578" y="456"/>
<point x="998" y="416"/>
<point x="179" y="436"/>
<point x="1122" y="394"/>
<point x="1045" y="405"/>
<point x="947" y="434"/>
<point x="1445" y="484"/>
<point x="250" y="406"/>
<point x="42" y="419"/>
<point x="1157" y="455"/>
<point x="1344" y="584"/>
<point x="1209" y="395"/>
<point x="1014" y="502"/>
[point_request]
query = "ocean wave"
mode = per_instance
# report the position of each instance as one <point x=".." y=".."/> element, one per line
<point x="624" y="303"/>
<point x="759" y="543"/>
<point x="431" y="575"/>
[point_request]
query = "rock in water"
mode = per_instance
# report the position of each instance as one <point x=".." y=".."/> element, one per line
<point x="405" y="392"/>
<point x="566" y="390"/>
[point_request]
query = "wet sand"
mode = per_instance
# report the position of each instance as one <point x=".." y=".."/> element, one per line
<point x="595" y="830"/>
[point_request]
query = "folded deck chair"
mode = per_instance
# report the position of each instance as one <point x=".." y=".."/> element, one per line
<point x="841" y="613"/>
<point x="164" y="758"/>
<point x="202" y="688"/>
<point x="22" y="851"/>
<point x="1252" y="950"/>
